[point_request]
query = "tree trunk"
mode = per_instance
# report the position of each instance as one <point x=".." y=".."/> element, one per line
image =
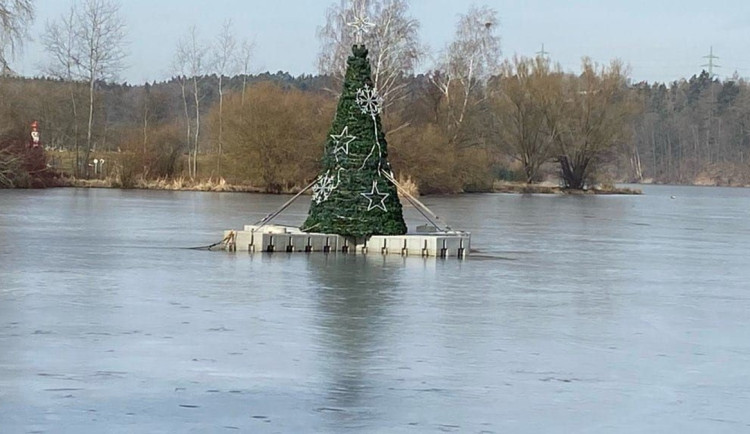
<point x="87" y="151"/>
<point x="221" y="125"/>
<point x="183" y="81"/>
<point x="244" y="86"/>
<point x="635" y="162"/>
<point x="145" y="122"/>
<point x="573" y="173"/>
<point x="197" y="126"/>
<point x="76" y="169"/>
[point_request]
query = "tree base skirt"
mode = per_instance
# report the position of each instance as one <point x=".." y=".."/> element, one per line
<point x="286" y="239"/>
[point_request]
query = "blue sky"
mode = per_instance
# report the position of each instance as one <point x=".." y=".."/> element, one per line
<point x="661" y="40"/>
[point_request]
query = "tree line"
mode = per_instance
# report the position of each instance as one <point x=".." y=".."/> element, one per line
<point x="473" y="119"/>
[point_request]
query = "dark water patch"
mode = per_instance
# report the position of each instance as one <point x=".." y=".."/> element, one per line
<point x="329" y="410"/>
<point x="113" y="374"/>
<point x="488" y="257"/>
<point x="189" y="406"/>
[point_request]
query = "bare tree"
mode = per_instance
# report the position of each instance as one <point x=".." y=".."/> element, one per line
<point x="88" y="44"/>
<point x="521" y="95"/>
<point x="101" y="33"/>
<point x="468" y="61"/>
<point x="393" y="42"/>
<point x="225" y="62"/>
<point x="190" y="59"/>
<point x="15" y="16"/>
<point x="62" y="45"/>
<point x="592" y="114"/>
<point x="244" y="59"/>
<point x="180" y="67"/>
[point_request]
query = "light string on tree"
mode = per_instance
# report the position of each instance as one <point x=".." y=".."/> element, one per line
<point x="370" y="103"/>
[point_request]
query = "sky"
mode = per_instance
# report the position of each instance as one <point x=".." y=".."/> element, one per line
<point x="660" y="40"/>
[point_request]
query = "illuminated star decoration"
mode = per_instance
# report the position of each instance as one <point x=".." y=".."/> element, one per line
<point x="323" y="188"/>
<point x="369" y="101"/>
<point x="376" y="196"/>
<point x="341" y="142"/>
<point x="361" y="27"/>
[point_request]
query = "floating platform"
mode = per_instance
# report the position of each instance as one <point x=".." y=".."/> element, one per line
<point x="424" y="242"/>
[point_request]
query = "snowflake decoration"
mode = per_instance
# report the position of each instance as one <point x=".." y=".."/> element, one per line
<point x="323" y="188"/>
<point x="376" y="198"/>
<point x="341" y="142"/>
<point x="369" y="101"/>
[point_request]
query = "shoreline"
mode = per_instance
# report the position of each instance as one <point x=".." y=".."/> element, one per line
<point x="180" y="184"/>
<point x="549" y="188"/>
<point x="503" y="187"/>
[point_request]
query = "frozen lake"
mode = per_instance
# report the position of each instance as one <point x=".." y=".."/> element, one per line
<point x="615" y="314"/>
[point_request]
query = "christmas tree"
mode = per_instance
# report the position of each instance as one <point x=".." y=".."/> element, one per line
<point x="352" y="196"/>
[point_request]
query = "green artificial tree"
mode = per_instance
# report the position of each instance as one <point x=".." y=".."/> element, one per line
<point x="353" y="196"/>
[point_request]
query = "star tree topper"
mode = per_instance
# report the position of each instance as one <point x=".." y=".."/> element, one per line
<point x="376" y="196"/>
<point x="361" y="26"/>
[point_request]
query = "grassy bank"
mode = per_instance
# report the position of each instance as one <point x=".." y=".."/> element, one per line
<point x="171" y="184"/>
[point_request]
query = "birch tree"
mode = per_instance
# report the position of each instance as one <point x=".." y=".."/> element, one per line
<point x="87" y="44"/>
<point x="62" y="46"/>
<point x="15" y="17"/>
<point x="179" y="66"/>
<point x="225" y="62"/>
<point x="245" y="57"/>
<point x="101" y="33"/>
<point x="393" y="42"/>
<point x="190" y="60"/>
<point x="467" y="62"/>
